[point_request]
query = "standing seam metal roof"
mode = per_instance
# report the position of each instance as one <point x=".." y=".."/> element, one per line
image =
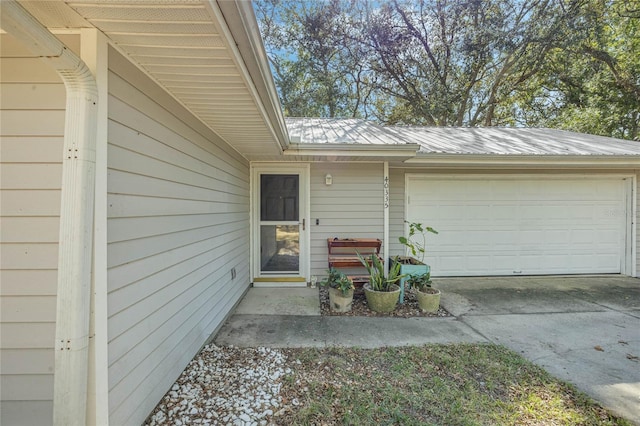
<point x="339" y="131"/>
<point x="458" y="140"/>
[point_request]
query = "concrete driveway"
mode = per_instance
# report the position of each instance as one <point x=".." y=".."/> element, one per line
<point x="585" y="329"/>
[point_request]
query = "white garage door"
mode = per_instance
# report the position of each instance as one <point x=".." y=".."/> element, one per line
<point x="515" y="226"/>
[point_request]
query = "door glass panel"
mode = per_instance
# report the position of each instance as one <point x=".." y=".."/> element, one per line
<point x="279" y="200"/>
<point x="279" y="224"/>
<point x="280" y="248"/>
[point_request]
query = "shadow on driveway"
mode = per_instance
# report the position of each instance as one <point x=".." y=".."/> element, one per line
<point x="584" y="330"/>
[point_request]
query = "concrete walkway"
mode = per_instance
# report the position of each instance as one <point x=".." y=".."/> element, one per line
<point x="585" y="330"/>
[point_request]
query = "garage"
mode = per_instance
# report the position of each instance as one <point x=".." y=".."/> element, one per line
<point x="523" y="225"/>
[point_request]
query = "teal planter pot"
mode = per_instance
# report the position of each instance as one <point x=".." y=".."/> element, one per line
<point x="409" y="266"/>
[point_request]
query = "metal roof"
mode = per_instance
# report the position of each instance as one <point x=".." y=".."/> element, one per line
<point x="458" y="140"/>
<point x="207" y="54"/>
<point x="512" y="141"/>
<point x="351" y="131"/>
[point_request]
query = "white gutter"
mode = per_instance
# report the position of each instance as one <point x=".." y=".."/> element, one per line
<point x="76" y="214"/>
<point x="345" y="150"/>
<point x="434" y="160"/>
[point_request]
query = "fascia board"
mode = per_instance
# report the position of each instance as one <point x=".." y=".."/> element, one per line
<point x="531" y="161"/>
<point x="349" y="150"/>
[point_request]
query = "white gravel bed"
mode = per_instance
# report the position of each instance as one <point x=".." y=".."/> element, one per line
<point x="226" y="386"/>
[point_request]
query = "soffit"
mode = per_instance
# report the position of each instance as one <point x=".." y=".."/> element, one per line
<point x="185" y="46"/>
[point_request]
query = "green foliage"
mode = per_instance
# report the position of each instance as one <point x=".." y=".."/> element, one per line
<point x="317" y="66"/>
<point x="419" y="282"/>
<point x="591" y="85"/>
<point x="536" y="63"/>
<point x="417" y="240"/>
<point x="338" y="280"/>
<point x="377" y="279"/>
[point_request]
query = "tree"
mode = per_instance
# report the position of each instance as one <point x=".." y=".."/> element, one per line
<point x="453" y="63"/>
<point x="560" y="63"/>
<point x="597" y="79"/>
<point x="318" y="69"/>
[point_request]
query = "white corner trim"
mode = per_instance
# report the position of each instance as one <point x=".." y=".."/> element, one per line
<point x="94" y="51"/>
<point x="386" y="187"/>
<point x="76" y="213"/>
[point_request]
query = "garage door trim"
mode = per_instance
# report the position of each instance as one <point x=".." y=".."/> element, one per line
<point x="628" y="253"/>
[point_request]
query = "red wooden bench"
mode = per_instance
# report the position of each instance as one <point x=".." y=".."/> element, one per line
<point x="343" y="254"/>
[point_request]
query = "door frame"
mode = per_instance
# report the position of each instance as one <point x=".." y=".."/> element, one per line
<point x="303" y="171"/>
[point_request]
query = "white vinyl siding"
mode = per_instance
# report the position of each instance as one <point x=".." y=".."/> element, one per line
<point x="178" y="222"/>
<point x="351" y="207"/>
<point x="32" y="116"/>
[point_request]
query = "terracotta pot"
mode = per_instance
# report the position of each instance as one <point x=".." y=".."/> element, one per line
<point x="382" y="301"/>
<point x="340" y="302"/>
<point x="429" y="301"/>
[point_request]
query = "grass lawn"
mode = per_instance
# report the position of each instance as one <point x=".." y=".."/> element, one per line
<point x="438" y="384"/>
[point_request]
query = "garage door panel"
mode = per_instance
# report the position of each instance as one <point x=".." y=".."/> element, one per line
<point x="557" y="236"/>
<point x="504" y="239"/>
<point x="506" y="227"/>
<point x="607" y="262"/>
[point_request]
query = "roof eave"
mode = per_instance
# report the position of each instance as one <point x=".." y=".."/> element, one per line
<point x="405" y="151"/>
<point x="241" y="23"/>
<point x="525" y="161"/>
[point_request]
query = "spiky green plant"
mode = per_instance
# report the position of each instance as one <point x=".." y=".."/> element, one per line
<point x="375" y="268"/>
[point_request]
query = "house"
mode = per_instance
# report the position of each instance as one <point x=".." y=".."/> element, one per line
<point x="506" y="201"/>
<point x="149" y="178"/>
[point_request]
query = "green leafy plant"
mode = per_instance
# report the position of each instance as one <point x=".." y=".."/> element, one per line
<point x="338" y="280"/>
<point x="417" y="239"/>
<point x="377" y="280"/>
<point x="420" y="282"/>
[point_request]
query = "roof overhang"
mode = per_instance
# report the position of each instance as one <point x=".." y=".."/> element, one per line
<point x="207" y="54"/>
<point x="478" y="161"/>
<point x="350" y="152"/>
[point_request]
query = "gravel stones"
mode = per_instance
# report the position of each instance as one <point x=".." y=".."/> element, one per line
<point x="226" y="386"/>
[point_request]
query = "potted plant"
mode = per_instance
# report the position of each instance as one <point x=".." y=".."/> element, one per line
<point x="340" y="291"/>
<point x="382" y="292"/>
<point x="415" y="244"/>
<point x="427" y="296"/>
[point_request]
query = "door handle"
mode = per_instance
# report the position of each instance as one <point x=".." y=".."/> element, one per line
<point x="303" y="224"/>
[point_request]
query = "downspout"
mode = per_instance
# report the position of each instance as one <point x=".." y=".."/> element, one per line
<point x="76" y="213"/>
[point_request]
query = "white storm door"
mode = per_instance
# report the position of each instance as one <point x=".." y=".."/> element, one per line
<point x="280" y="225"/>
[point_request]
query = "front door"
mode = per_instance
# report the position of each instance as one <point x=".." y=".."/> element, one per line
<point x="280" y="226"/>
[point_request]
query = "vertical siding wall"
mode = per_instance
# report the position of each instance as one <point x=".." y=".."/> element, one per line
<point x="178" y="222"/>
<point x="352" y="207"/>
<point x="32" y="125"/>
